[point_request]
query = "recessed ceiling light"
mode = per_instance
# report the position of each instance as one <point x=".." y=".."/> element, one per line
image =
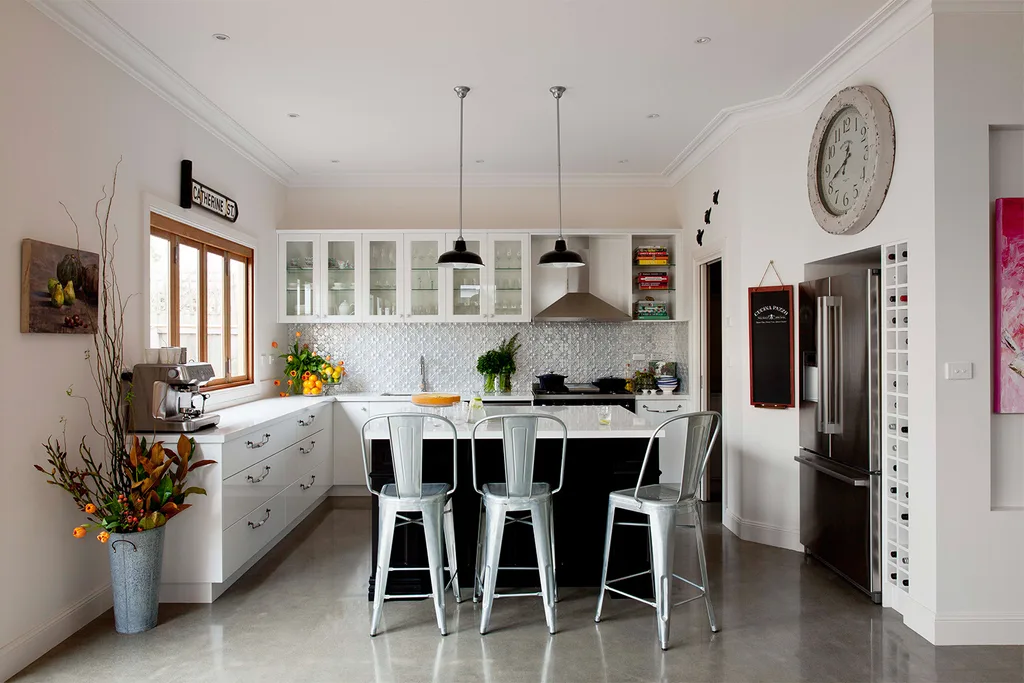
<point x="335" y="161"/>
<point x="479" y="161"/>
<point x="653" y="116"/>
<point x="623" y="161"/>
<point x="293" y="115"/>
<point x="702" y="40"/>
<point x="221" y="36"/>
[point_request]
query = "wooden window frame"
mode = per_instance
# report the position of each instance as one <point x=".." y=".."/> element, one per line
<point x="178" y="234"/>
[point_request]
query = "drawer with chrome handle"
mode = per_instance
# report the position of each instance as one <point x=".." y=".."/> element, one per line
<point x="263" y="442"/>
<point x="257" y="525"/>
<point x="667" y="410"/>
<point x="307" y="451"/>
<point x="256" y="480"/>
<point x="308" y="422"/>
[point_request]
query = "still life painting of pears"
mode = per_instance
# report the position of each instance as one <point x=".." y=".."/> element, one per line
<point x="59" y="288"/>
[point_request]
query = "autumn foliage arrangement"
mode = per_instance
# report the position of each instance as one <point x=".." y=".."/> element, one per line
<point x="306" y="372"/>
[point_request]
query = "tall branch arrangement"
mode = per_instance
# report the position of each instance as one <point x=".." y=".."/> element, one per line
<point x="136" y="486"/>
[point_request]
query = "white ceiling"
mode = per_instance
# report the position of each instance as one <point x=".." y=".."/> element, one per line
<point x="373" y="80"/>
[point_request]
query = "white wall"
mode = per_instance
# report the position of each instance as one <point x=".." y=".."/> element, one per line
<point x="527" y="208"/>
<point x="979" y="81"/>
<point x="67" y="114"/>
<point x="764" y="214"/>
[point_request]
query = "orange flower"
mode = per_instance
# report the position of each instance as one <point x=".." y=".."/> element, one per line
<point x="298" y="334"/>
<point x="273" y="345"/>
<point x="277" y="382"/>
<point x="341" y="362"/>
<point x="102" y="536"/>
<point x="291" y="358"/>
<point x="328" y="358"/>
<point x="293" y="373"/>
<point x="289" y="382"/>
<point x="78" y="532"/>
<point x="90" y="509"/>
<point x="283" y="394"/>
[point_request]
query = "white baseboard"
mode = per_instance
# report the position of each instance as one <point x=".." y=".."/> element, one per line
<point x="978" y="629"/>
<point x="346" y="490"/>
<point x="758" y="532"/>
<point x="29" y="647"/>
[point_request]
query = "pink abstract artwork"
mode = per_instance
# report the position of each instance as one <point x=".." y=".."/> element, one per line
<point x="1008" y="382"/>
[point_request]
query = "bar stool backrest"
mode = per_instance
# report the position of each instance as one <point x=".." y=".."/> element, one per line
<point x="405" y="432"/>
<point x="701" y="431"/>
<point x="519" y="445"/>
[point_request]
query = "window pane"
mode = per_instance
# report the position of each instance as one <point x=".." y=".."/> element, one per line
<point x="239" y="312"/>
<point x="159" y="291"/>
<point x="188" y="300"/>
<point x="215" y="312"/>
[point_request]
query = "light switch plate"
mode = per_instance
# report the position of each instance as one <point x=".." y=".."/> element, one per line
<point x="639" y="356"/>
<point x="960" y="370"/>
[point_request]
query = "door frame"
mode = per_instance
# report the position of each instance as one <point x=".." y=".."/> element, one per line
<point x="698" y="351"/>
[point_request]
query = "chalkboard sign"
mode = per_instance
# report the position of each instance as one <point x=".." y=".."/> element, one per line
<point x="771" y="347"/>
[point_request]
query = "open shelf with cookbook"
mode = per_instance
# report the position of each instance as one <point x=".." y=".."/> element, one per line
<point x="653" y="278"/>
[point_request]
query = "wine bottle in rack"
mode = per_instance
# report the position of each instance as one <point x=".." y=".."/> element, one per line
<point x="892" y="298"/>
<point x="892" y="553"/>
<point x="892" y="256"/>
<point x="905" y="516"/>
<point x="904" y="253"/>
<point x="892" y="490"/>
<point x="892" y="576"/>
<point x="904" y="429"/>
<point x="905" y="560"/>
<point x="903" y="298"/>
<point x="906" y="582"/>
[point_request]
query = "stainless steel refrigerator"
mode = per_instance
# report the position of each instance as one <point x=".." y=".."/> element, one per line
<point x="840" y="426"/>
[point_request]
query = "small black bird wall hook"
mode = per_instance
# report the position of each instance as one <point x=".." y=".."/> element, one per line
<point x="700" y="238"/>
<point x="707" y="216"/>
<point x="714" y="197"/>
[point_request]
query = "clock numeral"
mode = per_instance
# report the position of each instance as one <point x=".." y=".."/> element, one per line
<point x="831" y="151"/>
<point x="864" y="130"/>
<point x="846" y="199"/>
<point x="863" y="172"/>
<point x="828" y="168"/>
<point x="831" y="189"/>
<point x="856" y="192"/>
<point x="846" y="125"/>
<point x="866" y="153"/>
<point x="837" y="135"/>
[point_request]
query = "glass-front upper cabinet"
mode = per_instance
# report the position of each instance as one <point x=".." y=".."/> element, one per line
<point x="298" y="277"/>
<point x="466" y="295"/>
<point x="342" y="286"/>
<point x="424" y="280"/>
<point x="383" y="256"/>
<point x="508" y="264"/>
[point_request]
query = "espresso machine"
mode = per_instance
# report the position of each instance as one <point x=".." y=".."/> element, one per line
<point x="164" y="397"/>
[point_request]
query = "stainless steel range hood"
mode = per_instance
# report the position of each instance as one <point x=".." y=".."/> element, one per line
<point x="578" y="303"/>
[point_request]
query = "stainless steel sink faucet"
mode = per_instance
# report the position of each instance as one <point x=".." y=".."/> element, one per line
<point x="423" y="374"/>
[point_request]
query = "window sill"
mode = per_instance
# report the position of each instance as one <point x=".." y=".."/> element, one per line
<point x="232" y="396"/>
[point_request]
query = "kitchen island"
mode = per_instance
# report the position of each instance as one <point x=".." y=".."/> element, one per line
<point x="599" y="459"/>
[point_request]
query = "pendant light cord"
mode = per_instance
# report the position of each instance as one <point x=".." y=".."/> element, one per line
<point x="558" y="136"/>
<point x="462" y="104"/>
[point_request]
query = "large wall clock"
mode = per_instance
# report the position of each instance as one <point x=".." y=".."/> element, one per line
<point x="851" y="160"/>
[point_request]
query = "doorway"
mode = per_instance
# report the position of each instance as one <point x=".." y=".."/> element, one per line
<point x="710" y="388"/>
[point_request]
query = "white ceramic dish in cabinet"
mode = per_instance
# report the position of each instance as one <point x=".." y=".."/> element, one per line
<point x="255" y="445"/>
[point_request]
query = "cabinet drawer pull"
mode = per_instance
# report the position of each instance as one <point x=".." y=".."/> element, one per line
<point x="261" y="444"/>
<point x="257" y="525"/>
<point x="306" y="487"/>
<point x="670" y="410"/>
<point x="256" y="480"/>
<point x="312" y="445"/>
<point x="307" y="423"/>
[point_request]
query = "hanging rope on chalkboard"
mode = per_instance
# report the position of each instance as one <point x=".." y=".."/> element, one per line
<point x="771" y="264"/>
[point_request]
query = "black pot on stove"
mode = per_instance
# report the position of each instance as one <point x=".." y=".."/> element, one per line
<point x="552" y="381"/>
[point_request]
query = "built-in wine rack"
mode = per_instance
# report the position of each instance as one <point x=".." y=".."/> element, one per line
<point x="896" y="420"/>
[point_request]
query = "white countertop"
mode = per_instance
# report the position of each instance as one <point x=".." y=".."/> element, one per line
<point x="356" y="396"/>
<point x="580" y="421"/>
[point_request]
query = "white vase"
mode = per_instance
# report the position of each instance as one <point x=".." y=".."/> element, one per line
<point x="345" y="308"/>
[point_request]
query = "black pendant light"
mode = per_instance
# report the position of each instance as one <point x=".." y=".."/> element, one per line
<point x="460" y="257"/>
<point x="561" y="257"/>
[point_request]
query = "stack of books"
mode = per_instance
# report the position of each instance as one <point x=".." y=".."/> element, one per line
<point x="650" y="310"/>
<point x="652" y="280"/>
<point x="651" y="256"/>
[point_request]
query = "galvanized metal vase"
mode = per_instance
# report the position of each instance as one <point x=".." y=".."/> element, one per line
<point x="135" y="563"/>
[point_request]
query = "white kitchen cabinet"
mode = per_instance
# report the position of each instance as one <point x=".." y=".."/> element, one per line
<point x="423" y="279"/>
<point x="383" y="278"/>
<point x="349" y="418"/>
<point x="466" y="288"/>
<point x="507" y="260"/>
<point x="657" y="409"/>
<point x="342" y="282"/>
<point x="299" y="278"/>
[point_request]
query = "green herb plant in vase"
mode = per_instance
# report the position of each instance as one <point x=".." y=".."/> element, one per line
<point x="489" y="365"/>
<point x="507" y="350"/>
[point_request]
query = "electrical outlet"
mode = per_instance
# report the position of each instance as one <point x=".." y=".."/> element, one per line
<point x="639" y="356"/>
<point x="960" y="370"/>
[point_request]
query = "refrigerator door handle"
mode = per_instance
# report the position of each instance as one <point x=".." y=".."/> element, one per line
<point x="832" y="472"/>
<point x="830" y="371"/>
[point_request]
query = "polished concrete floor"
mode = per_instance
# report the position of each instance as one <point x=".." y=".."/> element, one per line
<point x="301" y="614"/>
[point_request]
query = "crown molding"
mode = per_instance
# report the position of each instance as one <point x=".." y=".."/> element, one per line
<point x="891" y="22"/>
<point x="92" y="26"/>
<point x="479" y="180"/>
<point x="977" y="6"/>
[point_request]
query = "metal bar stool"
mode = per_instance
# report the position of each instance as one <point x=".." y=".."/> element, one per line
<point x="661" y="504"/>
<point x="519" y="493"/>
<point x="410" y="494"/>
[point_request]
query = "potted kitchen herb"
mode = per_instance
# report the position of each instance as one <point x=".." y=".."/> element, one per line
<point x="131" y="491"/>
<point x="489" y="365"/>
